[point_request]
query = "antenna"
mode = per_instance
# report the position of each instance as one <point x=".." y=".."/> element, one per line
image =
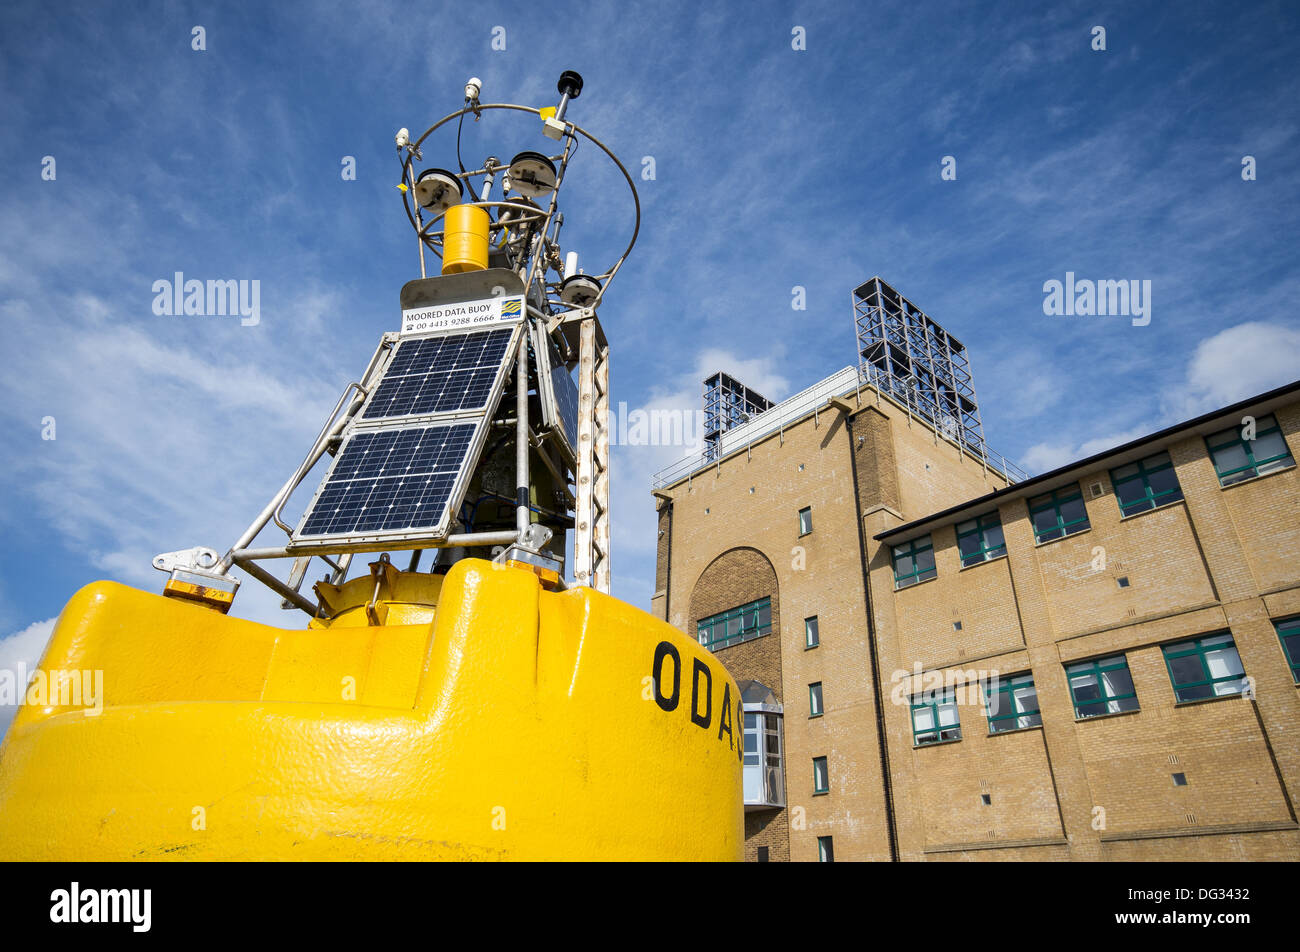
<point x="481" y="426"/>
<point x="569" y="87"/>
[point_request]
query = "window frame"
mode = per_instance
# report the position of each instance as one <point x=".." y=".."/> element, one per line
<point x="1200" y="650"/>
<point x="744" y="634"/>
<point x="1252" y="464"/>
<point x="1150" y="499"/>
<point x="762" y="724"/>
<point x="1008" y="687"/>
<point x="901" y="582"/>
<point x="815" y="630"/>
<point x="1052" y="502"/>
<point x="938" y="699"/>
<point x="1293" y="661"/>
<point x="806" y="510"/>
<point x="819" y="708"/>
<point x="826" y="849"/>
<point x="1098" y="667"/>
<point x="986" y="552"/>
<point x="826" y="775"/>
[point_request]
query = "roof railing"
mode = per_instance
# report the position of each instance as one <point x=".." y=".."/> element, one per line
<point x="847" y="380"/>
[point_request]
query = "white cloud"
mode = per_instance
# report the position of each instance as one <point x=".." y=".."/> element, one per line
<point x="1229" y="366"/>
<point x="159" y="445"/>
<point x="634" y="535"/>
<point x="21" y="651"/>
<point x="1237" y="363"/>
<point x="1044" y="457"/>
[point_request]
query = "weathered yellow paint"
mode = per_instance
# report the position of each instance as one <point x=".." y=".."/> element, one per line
<point x="212" y="597"/>
<point x="517" y="723"/>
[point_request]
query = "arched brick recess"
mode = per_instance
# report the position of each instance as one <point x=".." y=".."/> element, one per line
<point x="737" y="577"/>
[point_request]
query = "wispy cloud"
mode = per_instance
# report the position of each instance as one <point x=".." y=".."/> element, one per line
<point x="775" y="168"/>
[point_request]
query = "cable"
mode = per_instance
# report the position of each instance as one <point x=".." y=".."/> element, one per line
<point x="468" y="183"/>
<point x="427" y="239"/>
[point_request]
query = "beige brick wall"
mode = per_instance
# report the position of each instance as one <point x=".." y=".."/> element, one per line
<point x="1221" y="559"/>
<point x="1194" y="567"/>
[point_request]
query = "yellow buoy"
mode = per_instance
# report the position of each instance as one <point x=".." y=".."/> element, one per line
<point x="472" y="716"/>
<point x="465" y="240"/>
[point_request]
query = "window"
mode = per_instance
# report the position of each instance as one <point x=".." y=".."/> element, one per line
<point x="1146" y="484"/>
<point x="825" y="849"/>
<point x="815" y="700"/>
<point x="1180" y="779"/>
<point x="811" y="638"/>
<point x="934" y="718"/>
<point x="736" y="625"/>
<point x="980" y="539"/>
<point x="1204" y="668"/>
<point x="1288" y="632"/>
<point x="1103" y="686"/>
<point x="1012" y="703"/>
<point x="821" y="779"/>
<point x="1236" y="458"/>
<point x="914" y="562"/>
<point x="805" y="521"/>
<point x="1058" y="514"/>
<point x="764" y="774"/>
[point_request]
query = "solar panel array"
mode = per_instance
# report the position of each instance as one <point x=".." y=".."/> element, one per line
<point x="390" y="480"/>
<point x="396" y="474"/>
<point x="443" y="374"/>
<point x="566" y="399"/>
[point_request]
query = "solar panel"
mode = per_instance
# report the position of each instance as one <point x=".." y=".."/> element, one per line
<point x="566" y="398"/>
<point x="445" y="374"/>
<point x="390" y="480"/>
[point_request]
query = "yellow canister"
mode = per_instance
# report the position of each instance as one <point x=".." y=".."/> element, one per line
<point x="465" y="240"/>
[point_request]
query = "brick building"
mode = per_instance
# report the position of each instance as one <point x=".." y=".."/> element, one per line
<point x="943" y="659"/>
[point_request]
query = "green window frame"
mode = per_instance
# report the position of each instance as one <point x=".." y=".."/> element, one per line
<point x="914" y="562"/>
<point x="1288" y="632"/>
<point x="1237" y="459"/>
<point x="805" y="520"/>
<point x="1146" y="484"/>
<point x="1058" y="514"/>
<point x="811" y="633"/>
<point x="821" y="776"/>
<point x="1101" y="686"/>
<point x="1205" y="667"/>
<point x="825" y="849"/>
<point x="1012" y="703"/>
<point x="736" y="625"/>
<point x="980" y="539"/>
<point x="935" y="718"/>
<point x="816" y="705"/>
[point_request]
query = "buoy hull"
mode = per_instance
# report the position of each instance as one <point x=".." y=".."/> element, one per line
<point x="519" y="724"/>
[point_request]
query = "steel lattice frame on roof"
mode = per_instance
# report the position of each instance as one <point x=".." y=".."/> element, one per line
<point x="728" y="403"/>
<point x="907" y="353"/>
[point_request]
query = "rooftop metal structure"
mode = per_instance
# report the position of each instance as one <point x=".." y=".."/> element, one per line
<point x="904" y="355"/>
<point x="728" y="403"/>
<point x="907" y="354"/>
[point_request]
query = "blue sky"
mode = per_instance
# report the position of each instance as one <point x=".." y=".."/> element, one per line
<point x="774" y="167"/>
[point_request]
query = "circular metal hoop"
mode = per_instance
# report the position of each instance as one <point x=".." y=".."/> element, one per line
<point x="422" y="232"/>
